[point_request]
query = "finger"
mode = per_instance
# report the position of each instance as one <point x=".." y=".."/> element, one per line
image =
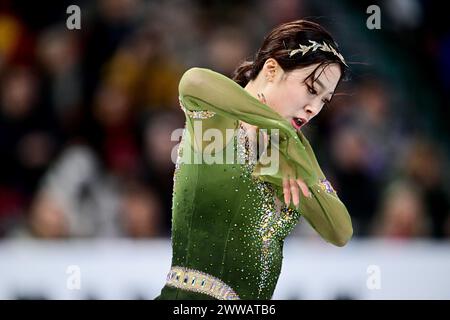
<point x="304" y="188"/>
<point x="295" y="192"/>
<point x="264" y="138"/>
<point x="286" y="191"/>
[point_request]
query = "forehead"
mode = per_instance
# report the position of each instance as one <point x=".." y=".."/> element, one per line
<point x="328" y="75"/>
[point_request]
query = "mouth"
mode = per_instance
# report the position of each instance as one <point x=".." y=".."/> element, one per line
<point x="298" y="123"/>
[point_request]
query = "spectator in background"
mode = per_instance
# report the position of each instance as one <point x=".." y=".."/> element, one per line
<point x="141" y="212"/>
<point x="78" y="198"/>
<point x="367" y="136"/>
<point x="424" y="165"/>
<point x="47" y="219"/>
<point x="402" y="214"/>
<point x="372" y="113"/>
<point x="75" y="199"/>
<point x="113" y="131"/>
<point x="105" y="85"/>
<point x="110" y="24"/>
<point x="28" y="140"/>
<point x="145" y="70"/>
<point x="58" y="56"/>
<point x="158" y="166"/>
<point x="356" y="187"/>
<point x="226" y="48"/>
<point x="16" y="42"/>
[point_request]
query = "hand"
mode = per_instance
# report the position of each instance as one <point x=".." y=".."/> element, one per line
<point x="291" y="188"/>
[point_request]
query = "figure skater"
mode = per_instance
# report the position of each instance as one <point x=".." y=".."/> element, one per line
<point x="229" y="220"/>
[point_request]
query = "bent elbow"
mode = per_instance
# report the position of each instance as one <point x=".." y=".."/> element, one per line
<point x="190" y="81"/>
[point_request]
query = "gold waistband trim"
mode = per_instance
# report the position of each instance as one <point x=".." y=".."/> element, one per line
<point x="197" y="281"/>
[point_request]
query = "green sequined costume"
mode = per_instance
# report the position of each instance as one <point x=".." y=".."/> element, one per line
<point x="228" y="228"/>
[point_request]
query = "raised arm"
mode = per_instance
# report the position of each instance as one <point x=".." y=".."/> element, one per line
<point x="208" y="92"/>
<point x="324" y="211"/>
<point x="204" y="90"/>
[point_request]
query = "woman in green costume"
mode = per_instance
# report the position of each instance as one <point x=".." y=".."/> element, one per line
<point x="228" y="222"/>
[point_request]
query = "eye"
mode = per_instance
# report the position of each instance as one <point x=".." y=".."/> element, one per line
<point x="326" y="102"/>
<point x="311" y="90"/>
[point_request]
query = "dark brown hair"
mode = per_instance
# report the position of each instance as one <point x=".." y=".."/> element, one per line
<point x="284" y="38"/>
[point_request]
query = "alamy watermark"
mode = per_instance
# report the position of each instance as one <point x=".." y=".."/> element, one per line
<point x="373" y="281"/>
<point x="73" y="281"/>
<point x="210" y="147"/>
<point x="74" y="20"/>
<point x="374" y="20"/>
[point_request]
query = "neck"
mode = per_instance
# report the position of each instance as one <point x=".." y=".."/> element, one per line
<point x="252" y="87"/>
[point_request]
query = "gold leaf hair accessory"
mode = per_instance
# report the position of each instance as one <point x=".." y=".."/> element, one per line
<point x="314" y="46"/>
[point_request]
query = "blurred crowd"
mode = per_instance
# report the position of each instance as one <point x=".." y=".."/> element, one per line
<point x="86" y="115"/>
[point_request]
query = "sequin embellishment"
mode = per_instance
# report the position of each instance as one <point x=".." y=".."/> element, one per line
<point x="197" y="281"/>
<point x="179" y="156"/>
<point x="272" y="225"/>
<point x="201" y="114"/>
<point x="325" y="185"/>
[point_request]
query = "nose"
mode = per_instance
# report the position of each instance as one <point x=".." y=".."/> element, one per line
<point x="309" y="111"/>
<point x="313" y="108"/>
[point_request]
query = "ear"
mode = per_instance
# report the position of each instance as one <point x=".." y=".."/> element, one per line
<point x="271" y="69"/>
